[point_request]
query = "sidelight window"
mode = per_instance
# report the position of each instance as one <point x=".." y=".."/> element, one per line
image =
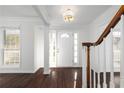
<point x="75" y="48"/>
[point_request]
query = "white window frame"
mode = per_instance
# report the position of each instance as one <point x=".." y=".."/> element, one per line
<point x="12" y="65"/>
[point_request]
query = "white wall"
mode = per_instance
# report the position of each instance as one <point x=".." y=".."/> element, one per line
<point x="27" y="28"/>
<point x="39" y="48"/>
<point x="83" y="37"/>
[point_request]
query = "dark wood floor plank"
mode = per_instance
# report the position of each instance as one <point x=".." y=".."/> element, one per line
<point x="58" y="78"/>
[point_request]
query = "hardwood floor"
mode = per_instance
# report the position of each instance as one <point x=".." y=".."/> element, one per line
<point x="58" y="78"/>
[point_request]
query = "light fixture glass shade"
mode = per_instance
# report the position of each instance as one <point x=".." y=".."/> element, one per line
<point x="68" y="15"/>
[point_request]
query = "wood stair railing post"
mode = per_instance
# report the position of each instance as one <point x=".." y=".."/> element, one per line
<point x="88" y="66"/>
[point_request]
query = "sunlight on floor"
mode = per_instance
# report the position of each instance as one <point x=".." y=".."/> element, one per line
<point x="75" y="78"/>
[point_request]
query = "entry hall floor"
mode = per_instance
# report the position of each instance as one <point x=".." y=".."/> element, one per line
<point x="58" y="78"/>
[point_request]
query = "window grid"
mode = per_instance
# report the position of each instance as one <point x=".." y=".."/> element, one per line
<point x="11" y="46"/>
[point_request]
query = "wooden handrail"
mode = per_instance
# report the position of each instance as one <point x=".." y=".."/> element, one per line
<point x="87" y="44"/>
<point x="107" y="30"/>
<point x="112" y="24"/>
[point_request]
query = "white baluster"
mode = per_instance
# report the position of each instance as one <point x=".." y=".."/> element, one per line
<point x="84" y="70"/>
<point x="122" y="53"/>
<point x="98" y="66"/>
<point x="84" y="79"/>
<point x="111" y="60"/>
<point x="98" y="85"/>
<point x="104" y="60"/>
<point x="94" y="75"/>
<point x="90" y="78"/>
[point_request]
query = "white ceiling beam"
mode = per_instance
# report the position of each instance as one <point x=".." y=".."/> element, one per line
<point x="41" y="11"/>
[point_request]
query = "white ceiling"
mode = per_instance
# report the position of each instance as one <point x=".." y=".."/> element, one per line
<point x="83" y="14"/>
<point x="17" y="11"/>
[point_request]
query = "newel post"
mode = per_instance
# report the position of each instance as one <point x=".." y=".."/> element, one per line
<point x="88" y="66"/>
<point x="88" y="62"/>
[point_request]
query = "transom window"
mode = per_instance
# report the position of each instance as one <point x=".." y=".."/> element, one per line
<point x="65" y="35"/>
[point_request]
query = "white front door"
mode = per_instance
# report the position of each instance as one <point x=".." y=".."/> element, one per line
<point x="65" y="49"/>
